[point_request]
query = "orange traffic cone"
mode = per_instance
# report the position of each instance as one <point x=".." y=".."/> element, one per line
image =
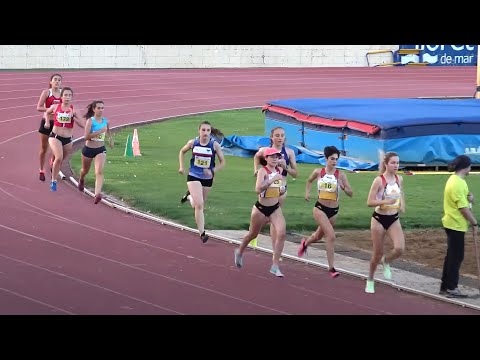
<point x="136" y="144"/>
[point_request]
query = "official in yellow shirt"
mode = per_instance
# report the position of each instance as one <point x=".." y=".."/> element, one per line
<point x="457" y="215"/>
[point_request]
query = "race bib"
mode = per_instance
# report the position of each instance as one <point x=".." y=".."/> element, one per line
<point x="202" y="161"/>
<point x="274" y="189"/>
<point x="63" y="118"/>
<point x="327" y="187"/>
<point x="392" y="192"/>
<point x="99" y="137"/>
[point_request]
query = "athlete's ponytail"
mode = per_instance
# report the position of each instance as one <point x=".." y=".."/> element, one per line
<point x="91" y="107"/>
<point x="217" y="133"/>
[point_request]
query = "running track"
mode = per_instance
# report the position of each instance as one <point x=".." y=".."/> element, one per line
<point x="60" y="254"/>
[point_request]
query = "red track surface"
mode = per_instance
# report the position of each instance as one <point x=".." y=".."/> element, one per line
<point x="60" y="254"/>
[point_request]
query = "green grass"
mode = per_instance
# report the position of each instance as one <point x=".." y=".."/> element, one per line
<point x="152" y="183"/>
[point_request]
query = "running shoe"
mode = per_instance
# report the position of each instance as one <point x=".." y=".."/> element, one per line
<point x="276" y="271"/>
<point x="387" y="272"/>
<point x="333" y="273"/>
<point x="238" y="259"/>
<point x="81" y="184"/>
<point x="185" y="197"/>
<point x="370" y="287"/>
<point x="303" y="249"/>
<point x="204" y="237"/>
<point x="97" y="198"/>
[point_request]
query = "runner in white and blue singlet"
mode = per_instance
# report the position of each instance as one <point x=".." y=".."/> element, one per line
<point x="203" y="167"/>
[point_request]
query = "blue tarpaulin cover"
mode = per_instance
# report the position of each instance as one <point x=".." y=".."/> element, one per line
<point x="247" y="146"/>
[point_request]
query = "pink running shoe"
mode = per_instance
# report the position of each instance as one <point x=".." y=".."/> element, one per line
<point x="333" y="273"/>
<point x="303" y="249"/>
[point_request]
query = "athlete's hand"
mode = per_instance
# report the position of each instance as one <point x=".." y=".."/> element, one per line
<point x="275" y="178"/>
<point x="180" y="171"/>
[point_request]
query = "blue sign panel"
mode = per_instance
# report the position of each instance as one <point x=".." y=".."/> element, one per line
<point x="446" y="55"/>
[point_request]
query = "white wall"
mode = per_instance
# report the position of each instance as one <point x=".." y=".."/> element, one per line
<point x="186" y="56"/>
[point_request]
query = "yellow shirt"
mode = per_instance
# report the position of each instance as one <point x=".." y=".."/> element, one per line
<point x="455" y="198"/>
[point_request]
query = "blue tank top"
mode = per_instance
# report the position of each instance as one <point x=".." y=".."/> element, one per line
<point x="203" y="157"/>
<point x="97" y="126"/>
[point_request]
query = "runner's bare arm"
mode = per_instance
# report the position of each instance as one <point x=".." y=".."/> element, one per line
<point x="181" y="154"/>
